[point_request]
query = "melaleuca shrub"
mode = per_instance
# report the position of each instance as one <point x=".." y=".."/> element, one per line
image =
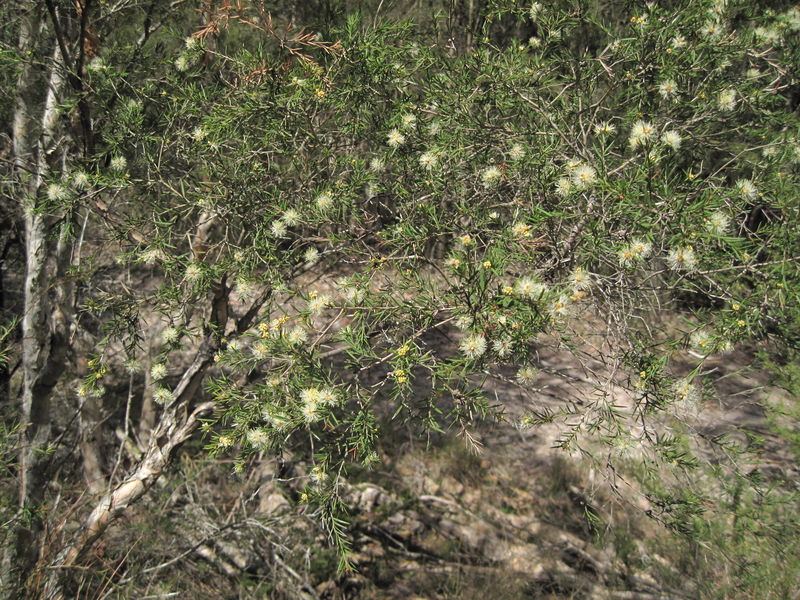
<point x="626" y="190"/>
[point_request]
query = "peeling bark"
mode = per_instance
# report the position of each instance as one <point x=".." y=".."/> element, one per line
<point x="176" y="424"/>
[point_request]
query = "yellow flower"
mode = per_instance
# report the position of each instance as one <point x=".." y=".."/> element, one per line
<point x="521" y="230"/>
<point x="579" y="295"/>
<point x="403" y="350"/>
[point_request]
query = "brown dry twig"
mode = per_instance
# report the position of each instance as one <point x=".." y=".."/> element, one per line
<point x="288" y="39"/>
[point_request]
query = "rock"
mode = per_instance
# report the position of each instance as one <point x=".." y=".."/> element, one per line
<point x="526" y="525"/>
<point x="472" y="497"/>
<point x="369" y="497"/>
<point x="474" y="536"/>
<point x="326" y="587"/>
<point x="271" y="503"/>
<point x="405" y="525"/>
<point x="451" y="487"/>
<point x="429" y="486"/>
<point x="524" y="558"/>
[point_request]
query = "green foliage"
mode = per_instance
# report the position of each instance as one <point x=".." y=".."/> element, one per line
<point x="616" y="170"/>
<point x="410" y="223"/>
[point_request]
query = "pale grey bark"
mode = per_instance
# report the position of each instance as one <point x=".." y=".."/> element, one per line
<point x="44" y="327"/>
<point x="174" y="428"/>
<point x="35" y="417"/>
<point x="47" y="300"/>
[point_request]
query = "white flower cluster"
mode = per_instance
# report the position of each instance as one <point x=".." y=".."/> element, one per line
<point x="516" y="152"/>
<point x="193" y="272"/>
<point x="637" y="251"/>
<point x="642" y="133"/>
<point x="718" y="223"/>
<point x="428" y="160"/>
<point x="395" y="139"/>
<point x="57" y="192"/>
<point x="158" y="371"/>
<point x="527" y="375"/>
<point x="584" y="176"/>
<point x="311" y="256"/>
<point x="318" y="302"/>
<point x="687" y="397"/>
<point x="530" y="287"/>
<point x="746" y="189"/>
<point x="473" y="346"/>
<point x="503" y="347"/>
<point x="580" y="279"/>
<point x="314" y="400"/>
<point x="672" y="139"/>
<point x="702" y="342"/>
<point x="604" y="128"/>
<point x="352" y="293"/>
<point x="162" y="395"/>
<point x="80" y="180"/>
<point x="298" y="335"/>
<point x="258" y="438"/>
<point x="324" y="201"/>
<point x="726" y="101"/>
<point x="118" y="163"/>
<point x="668" y="89"/>
<point x="682" y="259"/>
<point x="490" y="176"/>
<point x="579" y="176"/>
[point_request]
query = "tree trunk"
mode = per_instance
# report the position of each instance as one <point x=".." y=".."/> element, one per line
<point x="44" y="322"/>
<point x="176" y="424"/>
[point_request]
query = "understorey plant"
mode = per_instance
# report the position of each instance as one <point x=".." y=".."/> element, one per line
<point x="355" y="227"/>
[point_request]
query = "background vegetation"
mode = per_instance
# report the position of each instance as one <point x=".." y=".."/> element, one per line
<point x="298" y="299"/>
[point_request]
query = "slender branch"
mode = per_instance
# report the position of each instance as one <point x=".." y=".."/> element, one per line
<point x="74" y="71"/>
<point x="62" y="46"/>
